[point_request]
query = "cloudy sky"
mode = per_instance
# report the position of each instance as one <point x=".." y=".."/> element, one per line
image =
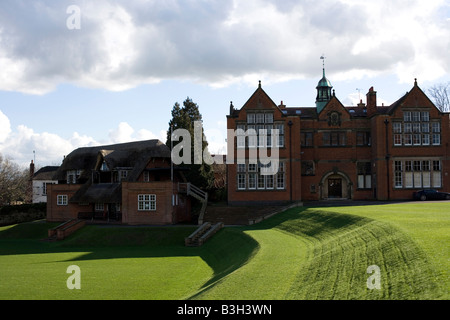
<point x="81" y="73"/>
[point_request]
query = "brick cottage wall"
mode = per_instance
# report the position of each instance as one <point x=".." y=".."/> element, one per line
<point x="164" y="211"/>
<point x="59" y="213"/>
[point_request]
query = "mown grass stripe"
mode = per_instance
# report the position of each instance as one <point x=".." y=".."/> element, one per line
<point x="303" y="253"/>
<point x="344" y="246"/>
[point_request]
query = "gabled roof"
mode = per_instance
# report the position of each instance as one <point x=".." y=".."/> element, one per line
<point x="132" y="154"/>
<point x="45" y="173"/>
<point x="332" y="103"/>
<point x="258" y="95"/>
<point x="414" y="91"/>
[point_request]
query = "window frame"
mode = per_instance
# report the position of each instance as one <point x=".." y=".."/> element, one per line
<point x="146" y="202"/>
<point x="416" y="129"/>
<point x="417" y="173"/>
<point x="364" y="175"/>
<point x="62" y="200"/>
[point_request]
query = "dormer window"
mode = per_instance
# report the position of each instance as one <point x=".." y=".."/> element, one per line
<point x="120" y="174"/>
<point x="123" y="174"/>
<point x="72" y="176"/>
<point x="104" y="167"/>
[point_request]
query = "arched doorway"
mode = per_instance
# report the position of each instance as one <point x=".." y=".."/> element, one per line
<point x="336" y="185"/>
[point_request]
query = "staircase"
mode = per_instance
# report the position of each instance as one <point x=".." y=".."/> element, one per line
<point x="65" y="229"/>
<point x="202" y="234"/>
<point x="197" y="193"/>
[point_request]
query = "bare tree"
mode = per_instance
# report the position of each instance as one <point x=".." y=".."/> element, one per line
<point x="13" y="182"/>
<point x="440" y="94"/>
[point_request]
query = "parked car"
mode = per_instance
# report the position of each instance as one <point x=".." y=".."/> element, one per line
<point x="431" y="194"/>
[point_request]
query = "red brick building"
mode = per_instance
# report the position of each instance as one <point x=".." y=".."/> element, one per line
<point x="332" y="151"/>
<point x="130" y="183"/>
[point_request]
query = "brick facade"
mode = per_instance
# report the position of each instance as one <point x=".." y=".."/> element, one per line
<point x="129" y="183"/>
<point x="338" y="152"/>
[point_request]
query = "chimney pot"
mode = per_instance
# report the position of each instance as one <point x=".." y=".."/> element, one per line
<point x="371" y="102"/>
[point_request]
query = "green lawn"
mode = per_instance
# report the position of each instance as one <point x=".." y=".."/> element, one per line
<point x="303" y="253"/>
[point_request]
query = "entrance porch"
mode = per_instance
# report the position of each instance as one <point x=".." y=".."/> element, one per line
<point x="336" y="186"/>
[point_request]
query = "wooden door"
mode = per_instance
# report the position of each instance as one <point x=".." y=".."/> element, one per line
<point x="334" y="188"/>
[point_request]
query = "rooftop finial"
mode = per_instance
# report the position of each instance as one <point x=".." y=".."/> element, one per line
<point x="259" y="83"/>
<point x="415" y="82"/>
<point x="322" y="57"/>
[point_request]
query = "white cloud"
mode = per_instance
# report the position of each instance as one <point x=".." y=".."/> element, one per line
<point x="5" y="127"/>
<point x="77" y="140"/>
<point x="121" y="134"/>
<point x="145" y="134"/>
<point x="51" y="148"/>
<point x="411" y="37"/>
<point x="21" y="143"/>
<point x="123" y="44"/>
<point x="125" y="133"/>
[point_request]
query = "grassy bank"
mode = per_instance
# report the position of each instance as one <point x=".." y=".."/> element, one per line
<point x="303" y="253"/>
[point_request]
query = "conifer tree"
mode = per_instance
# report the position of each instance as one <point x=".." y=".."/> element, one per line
<point x="184" y="117"/>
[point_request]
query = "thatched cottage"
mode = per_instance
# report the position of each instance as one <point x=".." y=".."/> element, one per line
<point x="132" y="183"/>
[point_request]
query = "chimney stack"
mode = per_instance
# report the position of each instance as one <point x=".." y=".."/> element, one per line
<point x="31" y="169"/>
<point x="30" y="184"/>
<point x="371" y="102"/>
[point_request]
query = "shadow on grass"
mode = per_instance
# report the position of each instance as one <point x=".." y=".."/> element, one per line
<point x="341" y="240"/>
<point x="312" y="222"/>
<point x="232" y="248"/>
<point x="227" y="251"/>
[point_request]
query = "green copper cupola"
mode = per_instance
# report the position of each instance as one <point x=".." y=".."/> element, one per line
<point x="323" y="91"/>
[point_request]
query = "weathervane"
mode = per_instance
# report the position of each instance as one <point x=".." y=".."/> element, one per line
<point x="322" y="57"/>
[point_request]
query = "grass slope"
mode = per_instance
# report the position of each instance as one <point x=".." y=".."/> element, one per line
<point x="325" y="255"/>
<point x="303" y="253"/>
<point x="344" y="246"/>
<point x="115" y="262"/>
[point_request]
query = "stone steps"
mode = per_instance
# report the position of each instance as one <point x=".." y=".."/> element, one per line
<point x="202" y="234"/>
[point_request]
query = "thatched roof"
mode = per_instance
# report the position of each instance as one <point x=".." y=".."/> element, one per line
<point x="132" y="155"/>
<point x="99" y="193"/>
<point x="45" y="173"/>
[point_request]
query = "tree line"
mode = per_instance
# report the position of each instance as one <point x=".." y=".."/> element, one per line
<point x="14" y="183"/>
<point x="440" y="94"/>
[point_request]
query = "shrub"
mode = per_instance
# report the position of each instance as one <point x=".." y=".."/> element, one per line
<point x="22" y="213"/>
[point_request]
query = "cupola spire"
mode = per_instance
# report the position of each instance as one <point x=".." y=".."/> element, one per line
<point x="323" y="89"/>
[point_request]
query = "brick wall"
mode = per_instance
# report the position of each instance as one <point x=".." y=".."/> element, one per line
<point x="341" y="162"/>
<point x="163" y="211"/>
<point x="59" y="213"/>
